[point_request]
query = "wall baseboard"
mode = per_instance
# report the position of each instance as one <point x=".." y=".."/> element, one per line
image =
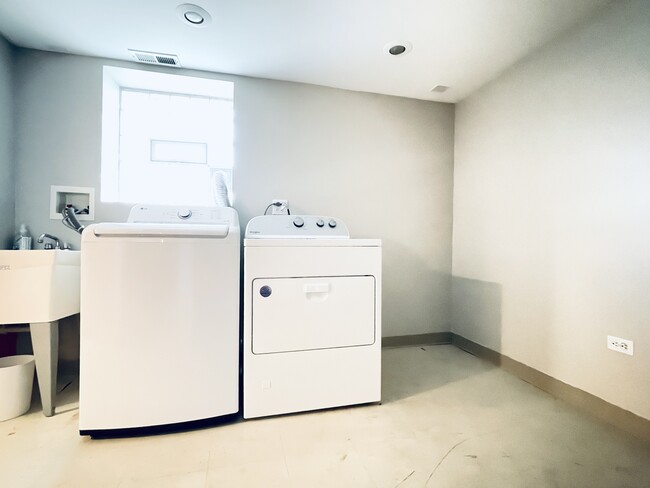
<point x="432" y="338"/>
<point x="588" y="403"/>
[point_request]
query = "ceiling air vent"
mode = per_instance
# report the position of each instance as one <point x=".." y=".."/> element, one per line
<point x="440" y="88"/>
<point x="155" y="58"/>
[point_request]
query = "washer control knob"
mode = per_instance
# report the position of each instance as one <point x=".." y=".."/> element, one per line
<point x="320" y="222"/>
<point x="184" y="213"/>
<point x="298" y="222"/>
<point x="332" y="223"/>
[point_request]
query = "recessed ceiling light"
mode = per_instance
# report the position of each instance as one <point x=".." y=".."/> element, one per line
<point x="440" y="88"/>
<point x="193" y="15"/>
<point x="398" y="48"/>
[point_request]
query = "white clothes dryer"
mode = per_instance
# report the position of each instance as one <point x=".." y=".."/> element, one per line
<point x="312" y="316"/>
<point x="159" y="319"/>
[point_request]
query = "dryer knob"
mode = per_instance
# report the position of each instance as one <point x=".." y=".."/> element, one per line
<point x="332" y="223"/>
<point x="320" y="222"/>
<point x="298" y="222"/>
<point x="184" y="213"/>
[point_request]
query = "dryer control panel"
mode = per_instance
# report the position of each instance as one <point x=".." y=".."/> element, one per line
<point x="296" y="227"/>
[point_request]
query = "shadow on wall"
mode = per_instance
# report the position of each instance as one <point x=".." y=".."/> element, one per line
<point x="415" y="294"/>
<point x="476" y="311"/>
<point x="476" y="315"/>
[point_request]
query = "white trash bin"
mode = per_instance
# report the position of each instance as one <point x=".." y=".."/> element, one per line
<point x="16" y="380"/>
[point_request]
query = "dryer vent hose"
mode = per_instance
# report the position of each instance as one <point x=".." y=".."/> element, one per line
<point x="220" y="189"/>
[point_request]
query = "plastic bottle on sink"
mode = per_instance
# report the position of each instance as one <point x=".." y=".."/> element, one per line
<point x="23" y="239"/>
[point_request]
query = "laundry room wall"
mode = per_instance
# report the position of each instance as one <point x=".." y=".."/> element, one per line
<point x="382" y="164"/>
<point x="552" y="209"/>
<point x="7" y="225"/>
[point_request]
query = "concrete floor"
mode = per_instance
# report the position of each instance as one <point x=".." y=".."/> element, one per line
<point x="448" y="419"/>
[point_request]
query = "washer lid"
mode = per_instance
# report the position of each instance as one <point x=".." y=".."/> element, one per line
<point x="160" y="230"/>
<point x="296" y="227"/>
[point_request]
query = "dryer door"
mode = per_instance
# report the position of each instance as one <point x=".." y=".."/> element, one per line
<point x="302" y="314"/>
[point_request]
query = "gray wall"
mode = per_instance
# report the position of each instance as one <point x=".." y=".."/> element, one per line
<point x="552" y="208"/>
<point x="7" y="226"/>
<point x="382" y="164"/>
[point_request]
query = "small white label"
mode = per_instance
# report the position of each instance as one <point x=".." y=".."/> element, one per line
<point x="620" y="345"/>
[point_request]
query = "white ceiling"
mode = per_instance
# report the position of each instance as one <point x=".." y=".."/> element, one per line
<point x="339" y="43"/>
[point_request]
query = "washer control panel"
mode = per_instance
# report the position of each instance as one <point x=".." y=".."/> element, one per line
<point x="296" y="227"/>
<point x="167" y="214"/>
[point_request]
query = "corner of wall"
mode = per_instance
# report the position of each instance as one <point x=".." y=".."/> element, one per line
<point x="7" y="155"/>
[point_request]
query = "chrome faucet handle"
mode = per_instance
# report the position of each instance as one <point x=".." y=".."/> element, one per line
<point x="48" y="245"/>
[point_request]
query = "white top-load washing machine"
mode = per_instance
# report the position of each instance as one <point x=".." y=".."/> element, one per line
<point x="312" y="316"/>
<point x="159" y="318"/>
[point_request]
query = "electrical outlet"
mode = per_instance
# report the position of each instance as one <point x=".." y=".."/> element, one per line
<point x="282" y="209"/>
<point x="620" y="345"/>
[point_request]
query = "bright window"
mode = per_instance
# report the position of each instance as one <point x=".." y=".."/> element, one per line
<point x="167" y="139"/>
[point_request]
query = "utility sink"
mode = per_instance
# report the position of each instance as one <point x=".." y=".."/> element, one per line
<point x="39" y="288"/>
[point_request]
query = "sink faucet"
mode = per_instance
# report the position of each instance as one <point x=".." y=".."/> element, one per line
<point x="57" y="243"/>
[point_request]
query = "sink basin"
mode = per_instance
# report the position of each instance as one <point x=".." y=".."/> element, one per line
<point x="39" y="288"/>
<point x="39" y="285"/>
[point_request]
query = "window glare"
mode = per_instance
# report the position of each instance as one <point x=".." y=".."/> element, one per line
<point x="179" y="152"/>
<point x="161" y="144"/>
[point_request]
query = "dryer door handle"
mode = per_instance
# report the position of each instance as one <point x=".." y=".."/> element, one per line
<point x="316" y="288"/>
